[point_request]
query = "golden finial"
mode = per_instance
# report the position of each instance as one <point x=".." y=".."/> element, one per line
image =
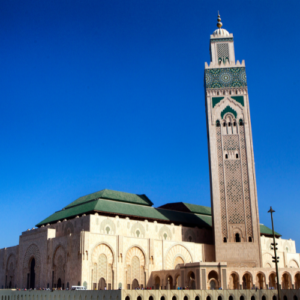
<point x="219" y="24"/>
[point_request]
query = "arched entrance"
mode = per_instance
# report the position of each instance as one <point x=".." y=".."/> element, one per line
<point x="59" y="283"/>
<point x="247" y="281"/>
<point x="177" y="281"/>
<point x="272" y="281"/>
<point x="191" y="280"/>
<point x="233" y="281"/>
<point x="102" y="284"/>
<point x="286" y="281"/>
<point x="297" y="281"/>
<point x="135" y="284"/>
<point x="170" y="283"/>
<point x="213" y="280"/>
<point x="157" y="283"/>
<point x="32" y="274"/>
<point x="260" y="281"/>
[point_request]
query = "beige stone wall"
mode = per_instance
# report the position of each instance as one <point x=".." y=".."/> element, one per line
<point x="288" y="258"/>
<point x="146" y="294"/>
<point x="71" y="250"/>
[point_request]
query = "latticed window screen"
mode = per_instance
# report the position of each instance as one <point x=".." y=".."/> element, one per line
<point x="223" y="52"/>
<point x="102" y="263"/>
<point x="135" y="264"/>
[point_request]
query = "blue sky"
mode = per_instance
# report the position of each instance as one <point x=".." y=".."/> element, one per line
<point x="109" y="94"/>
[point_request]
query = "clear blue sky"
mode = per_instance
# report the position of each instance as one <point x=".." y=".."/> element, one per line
<point x="109" y="94"/>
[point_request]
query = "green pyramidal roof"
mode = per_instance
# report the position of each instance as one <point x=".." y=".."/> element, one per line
<point x="267" y="231"/>
<point x="132" y="205"/>
<point x="113" y="195"/>
<point x="198" y="209"/>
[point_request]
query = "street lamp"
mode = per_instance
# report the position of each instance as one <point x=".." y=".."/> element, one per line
<point x="275" y="257"/>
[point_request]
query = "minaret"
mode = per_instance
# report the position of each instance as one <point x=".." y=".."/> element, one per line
<point x="231" y="159"/>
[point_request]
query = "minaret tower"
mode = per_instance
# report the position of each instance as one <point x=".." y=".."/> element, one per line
<point x="231" y="159"/>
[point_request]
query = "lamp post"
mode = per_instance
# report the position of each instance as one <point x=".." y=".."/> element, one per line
<point x="275" y="258"/>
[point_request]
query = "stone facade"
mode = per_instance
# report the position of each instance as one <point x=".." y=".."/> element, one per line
<point x="103" y="247"/>
<point x="112" y="252"/>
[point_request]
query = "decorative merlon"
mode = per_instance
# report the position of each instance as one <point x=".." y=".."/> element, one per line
<point x="213" y="65"/>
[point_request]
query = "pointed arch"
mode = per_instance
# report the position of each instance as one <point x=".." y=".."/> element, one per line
<point x="175" y="251"/>
<point x="135" y="251"/>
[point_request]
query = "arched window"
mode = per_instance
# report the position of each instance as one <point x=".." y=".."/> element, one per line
<point x="295" y="297"/>
<point x="197" y="298"/>
<point x="162" y="298"/>
<point x="150" y="298"/>
<point x="234" y="123"/>
<point x="285" y="297"/>
<point x="218" y="123"/>
<point x="252" y="298"/>
<point x="237" y="238"/>
<point x="127" y="298"/>
<point x="241" y="123"/>
<point x="229" y="124"/>
<point x="219" y="298"/>
<point x="139" y="298"/>
<point x="230" y="298"/>
<point x="208" y="298"/>
<point x="250" y="239"/>
<point x="263" y="298"/>
<point x="274" y="298"/>
<point x="236" y="156"/>
<point x="185" y="298"/>
<point x="224" y="125"/>
<point x="226" y="156"/>
<point x="174" y="298"/>
<point x="242" y="298"/>
<point x="225" y="240"/>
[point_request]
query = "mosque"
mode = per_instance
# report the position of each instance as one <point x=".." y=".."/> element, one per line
<point x="116" y="240"/>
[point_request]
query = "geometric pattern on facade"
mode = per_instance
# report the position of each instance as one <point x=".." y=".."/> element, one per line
<point x="225" y="77"/>
<point x="32" y="253"/>
<point x="221" y="183"/>
<point x="108" y="226"/>
<point x="138" y="230"/>
<point x="101" y="267"/>
<point x="228" y="109"/>
<point x="10" y="271"/>
<point x="223" y="52"/>
<point x="59" y="264"/>
<point x="135" y="268"/>
<point x="246" y="188"/>
<point x="173" y="253"/>
<point x="165" y="233"/>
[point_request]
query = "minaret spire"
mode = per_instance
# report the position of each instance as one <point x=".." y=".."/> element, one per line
<point x="219" y="24"/>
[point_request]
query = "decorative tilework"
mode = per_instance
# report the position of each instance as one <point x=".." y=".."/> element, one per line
<point x="225" y="77"/>
<point x="226" y="110"/>
<point x="239" y="99"/>
<point x="221" y="183"/>
<point x="216" y="100"/>
<point x="222" y="40"/>
<point x="246" y="183"/>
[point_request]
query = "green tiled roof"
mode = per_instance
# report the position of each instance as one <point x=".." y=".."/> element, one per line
<point x="131" y="205"/>
<point x="267" y="231"/>
<point x="113" y="195"/>
<point x="198" y="209"/>
<point x="127" y="209"/>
